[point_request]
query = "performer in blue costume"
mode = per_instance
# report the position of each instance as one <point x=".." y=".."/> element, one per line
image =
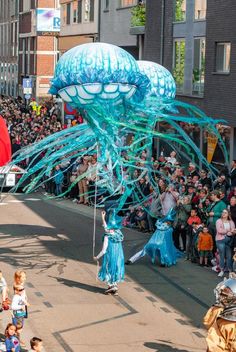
<point x="112" y="270"/>
<point x="161" y="244"/>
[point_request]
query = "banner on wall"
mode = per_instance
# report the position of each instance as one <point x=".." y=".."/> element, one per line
<point x="211" y="146"/>
<point x="48" y="20"/>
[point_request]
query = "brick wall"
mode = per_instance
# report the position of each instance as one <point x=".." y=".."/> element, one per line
<point x="45" y="43"/>
<point x="45" y="65"/>
<point x="46" y="4"/>
<point x="220" y="90"/>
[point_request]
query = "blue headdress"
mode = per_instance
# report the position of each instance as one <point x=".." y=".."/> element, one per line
<point x="114" y="222"/>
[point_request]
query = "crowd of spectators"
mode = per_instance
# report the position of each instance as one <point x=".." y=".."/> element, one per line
<point x="204" y="226"/>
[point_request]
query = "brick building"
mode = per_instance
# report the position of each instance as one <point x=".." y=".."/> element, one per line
<point x="9" y="47"/>
<point x="39" y="25"/>
<point x="195" y="40"/>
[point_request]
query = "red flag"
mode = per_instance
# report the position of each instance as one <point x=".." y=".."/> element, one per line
<point x="5" y="143"/>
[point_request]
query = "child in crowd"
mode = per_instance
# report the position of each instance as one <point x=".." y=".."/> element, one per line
<point x="3" y="291"/>
<point x="36" y="344"/>
<point x="193" y="218"/>
<point x="19" y="279"/>
<point x="216" y="262"/>
<point x="18" y="305"/>
<point x="12" y="343"/>
<point x="205" y="245"/>
<point x="58" y="179"/>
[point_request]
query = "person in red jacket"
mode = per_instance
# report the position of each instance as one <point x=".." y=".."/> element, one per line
<point x="205" y="245"/>
<point x="194" y="218"/>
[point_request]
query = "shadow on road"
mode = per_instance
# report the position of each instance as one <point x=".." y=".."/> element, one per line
<point x="160" y="347"/>
<point x="79" y="285"/>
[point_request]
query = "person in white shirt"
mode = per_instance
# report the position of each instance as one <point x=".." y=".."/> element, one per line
<point x="18" y="304"/>
<point x="3" y="287"/>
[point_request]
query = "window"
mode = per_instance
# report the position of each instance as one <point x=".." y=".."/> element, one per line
<point x="106" y="4"/>
<point x="200" y="9"/>
<point x="63" y="11"/>
<point x="127" y="3"/>
<point x="91" y="14"/>
<point x="86" y="10"/>
<point x="223" y="57"/>
<point x="79" y="13"/>
<point x="199" y="66"/>
<point x="68" y="7"/>
<point x="179" y="63"/>
<point x="75" y="11"/>
<point x="180" y="10"/>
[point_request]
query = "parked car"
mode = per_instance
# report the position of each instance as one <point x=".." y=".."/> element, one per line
<point x="10" y="176"/>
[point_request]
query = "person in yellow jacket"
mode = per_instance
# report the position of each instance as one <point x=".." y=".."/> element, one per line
<point x="220" y="319"/>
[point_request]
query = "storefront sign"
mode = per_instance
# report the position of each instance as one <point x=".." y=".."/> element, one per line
<point x="211" y="147"/>
<point x="48" y="20"/>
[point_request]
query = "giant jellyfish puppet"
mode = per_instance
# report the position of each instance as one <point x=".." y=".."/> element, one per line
<point x="5" y="143"/>
<point x="121" y="100"/>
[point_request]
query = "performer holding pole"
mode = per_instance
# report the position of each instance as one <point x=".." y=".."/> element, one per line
<point x="112" y="270"/>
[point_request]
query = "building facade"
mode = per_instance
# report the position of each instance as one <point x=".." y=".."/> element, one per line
<point x="192" y="39"/>
<point x="115" y="26"/>
<point x="39" y="26"/>
<point x="9" y="25"/>
<point x="79" y="23"/>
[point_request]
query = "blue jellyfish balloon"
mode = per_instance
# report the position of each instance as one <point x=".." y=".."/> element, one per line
<point x="98" y="72"/>
<point x="162" y="81"/>
<point x="122" y="100"/>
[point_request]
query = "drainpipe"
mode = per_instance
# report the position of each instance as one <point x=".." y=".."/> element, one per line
<point x="162" y="31"/>
<point x="99" y="21"/>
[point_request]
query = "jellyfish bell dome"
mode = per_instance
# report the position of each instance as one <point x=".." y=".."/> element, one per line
<point x="98" y="72"/>
<point x="162" y="81"/>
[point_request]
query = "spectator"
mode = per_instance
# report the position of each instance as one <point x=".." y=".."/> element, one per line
<point x="233" y="174"/>
<point x="36" y="345"/>
<point x="83" y="186"/>
<point x="58" y="179"/>
<point x="205" y="246"/>
<point x="214" y="211"/>
<point x="12" y="343"/>
<point x="141" y="219"/>
<point x="204" y="179"/>
<point x="225" y="230"/>
<point x="172" y="158"/>
<point x="169" y="199"/>
<point x="221" y="183"/>
<point x="232" y="209"/>
<point x="180" y="225"/>
<point x="192" y="170"/>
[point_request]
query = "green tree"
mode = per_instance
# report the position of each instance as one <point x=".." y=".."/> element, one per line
<point x="179" y="10"/>
<point x="138" y="15"/>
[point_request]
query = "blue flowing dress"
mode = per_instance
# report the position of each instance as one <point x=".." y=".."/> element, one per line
<point x="161" y="245"/>
<point x="113" y="266"/>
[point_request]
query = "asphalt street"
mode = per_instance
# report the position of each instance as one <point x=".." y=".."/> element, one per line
<point x="158" y="309"/>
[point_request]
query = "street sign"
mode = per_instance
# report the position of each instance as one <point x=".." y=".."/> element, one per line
<point x="27" y="83"/>
<point x="27" y="90"/>
<point x="27" y="96"/>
